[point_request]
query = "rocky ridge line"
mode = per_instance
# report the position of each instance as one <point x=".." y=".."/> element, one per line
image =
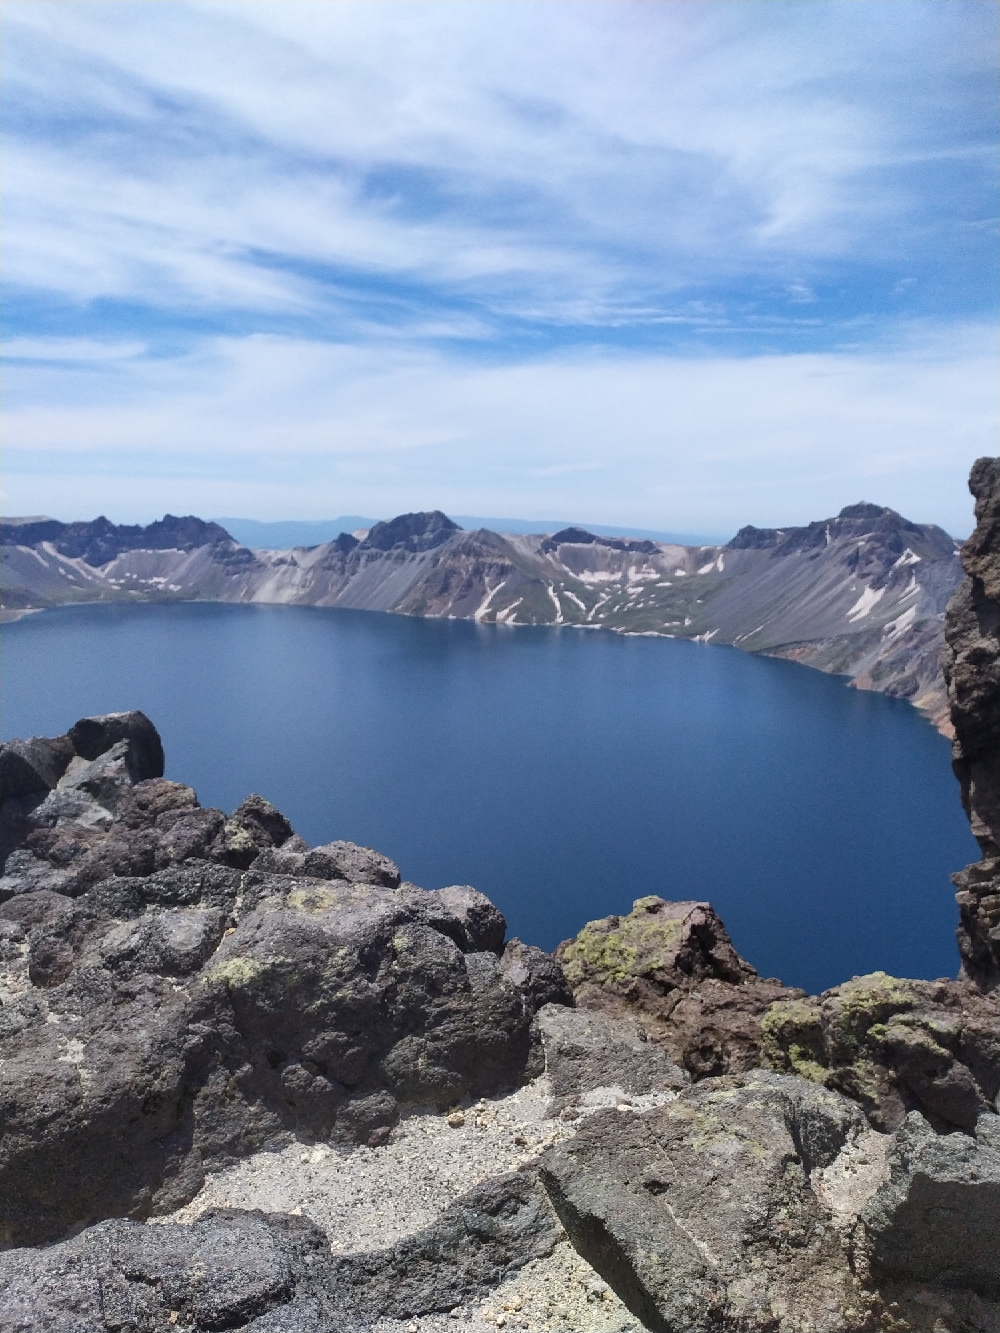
<point x="862" y="594"/>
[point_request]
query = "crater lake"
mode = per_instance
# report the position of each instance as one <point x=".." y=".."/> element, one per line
<point x="561" y="772"/>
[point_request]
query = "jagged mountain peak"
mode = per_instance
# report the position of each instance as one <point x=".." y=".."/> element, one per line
<point x="99" y="541"/>
<point x="878" y="525"/>
<point x="412" y="532"/>
<point x="865" y="510"/>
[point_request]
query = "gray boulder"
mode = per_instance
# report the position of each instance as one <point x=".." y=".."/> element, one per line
<point x="484" y="925"/>
<point x="482" y="1239"/>
<point x="334" y="860"/>
<point x="270" y="1272"/>
<point x="700" y="1213"/>
<point x="937" y="1219"/>
<point x="33" y="766"/>
<point x="94" y="736"/>
<point x="358" y="865"/>
<point x="592" y="1058"/>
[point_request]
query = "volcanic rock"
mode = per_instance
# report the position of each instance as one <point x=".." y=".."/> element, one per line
<point x="700" y="1213"/>
<point x="272" y="1273"/>
<point x="229" y="1270"/>
<point x="894" y="1045"/>
<point x="972" y="674"/>
<point x="938" y="1217"/>
<point x="674" y="967"/>
<point x="166" y="1009"/>
<point x="94" y="736"/>
<point x="592" y="1059"/>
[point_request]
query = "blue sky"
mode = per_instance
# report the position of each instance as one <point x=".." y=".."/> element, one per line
<point x="680" y="264"/>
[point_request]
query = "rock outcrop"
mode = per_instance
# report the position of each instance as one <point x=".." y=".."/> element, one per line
<point x="972" y="675"/>
<point x="270" y="1272"/>
<point x="180" y="988"/>
<point x="938" y="1217"/>
<point x="894" y="1045"/>
<point x="700" y="1213"/>
<point x="673" y="967"/>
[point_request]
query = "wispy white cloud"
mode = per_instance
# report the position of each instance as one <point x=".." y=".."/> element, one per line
<point x="501" y="149"/>
<point x="72" y="350"/>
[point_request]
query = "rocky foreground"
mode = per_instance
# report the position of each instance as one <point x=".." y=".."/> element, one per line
<point x="249" y="1084"/>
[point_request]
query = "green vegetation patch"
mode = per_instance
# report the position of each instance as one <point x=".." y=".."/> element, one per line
<point x="252" y="974"/>
<point x="314" y="899"/>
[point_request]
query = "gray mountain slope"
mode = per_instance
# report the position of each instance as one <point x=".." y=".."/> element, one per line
<point x="862" y="594"/>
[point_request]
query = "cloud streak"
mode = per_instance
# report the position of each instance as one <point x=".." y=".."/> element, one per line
<point x="253" y="156"/>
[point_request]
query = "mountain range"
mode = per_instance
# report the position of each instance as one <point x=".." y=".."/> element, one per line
<point x="312" y="532"/>
<point x="861" y="594"/>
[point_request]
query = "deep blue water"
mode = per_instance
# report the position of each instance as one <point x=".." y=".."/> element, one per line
<point x="563" y="773"/>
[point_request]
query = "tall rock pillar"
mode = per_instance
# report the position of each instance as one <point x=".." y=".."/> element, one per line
<point x="972" y="674"/>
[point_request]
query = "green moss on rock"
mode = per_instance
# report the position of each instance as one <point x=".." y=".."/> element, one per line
<point x="792" y="1039"/>
<point x="862" y="1003"/>
<point x="247" y="973"/>
<point x="636" y="945"/>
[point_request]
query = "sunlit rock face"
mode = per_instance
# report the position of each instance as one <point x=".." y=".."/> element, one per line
<point x="972" y="675"/>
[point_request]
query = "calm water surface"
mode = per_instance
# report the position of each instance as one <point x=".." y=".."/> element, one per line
<point x="563" y="773"/>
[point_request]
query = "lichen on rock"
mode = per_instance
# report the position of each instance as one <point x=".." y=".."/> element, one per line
<point x="893" y="1045"/>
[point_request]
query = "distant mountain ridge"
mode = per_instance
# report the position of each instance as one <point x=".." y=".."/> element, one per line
<point x="286" y="533"/>
<point x="861" y="594"/>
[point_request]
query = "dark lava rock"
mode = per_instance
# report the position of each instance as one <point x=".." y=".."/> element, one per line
<point x="481" y="1240"/>
<point x="971" y="664"/>
<point x="182" y="990"/>
<point x="229" y="1270"/>
<point x="700" y="1213"/>
<point x="484" y="925"/>
<point x="536" y="974"/>
<point x="34" y="765"/>
<point x="894" y="1045"/>
<point x="938" y="1217"/>
<point x="94" y="736"/>
<point x="270" y="1272"/>
<point x="334" y="860"/>
<point x="674" y="967"/>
